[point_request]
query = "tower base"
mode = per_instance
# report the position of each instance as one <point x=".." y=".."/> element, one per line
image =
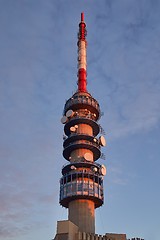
<point x="81" y="213"/>
<point x="66" y="230"/>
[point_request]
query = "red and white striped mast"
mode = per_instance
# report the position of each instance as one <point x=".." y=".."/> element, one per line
<point x="82" y="63"/>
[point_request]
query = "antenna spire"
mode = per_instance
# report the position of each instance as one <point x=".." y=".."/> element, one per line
<point x="82" y="63"/>
<point x="82" y="17"/>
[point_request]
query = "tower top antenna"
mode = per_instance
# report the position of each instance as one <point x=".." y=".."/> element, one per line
<point x="82" y="17"/>
<point x="82" y="62"/>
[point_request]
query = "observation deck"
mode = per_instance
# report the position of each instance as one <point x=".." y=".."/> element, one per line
<point x="81" y="100"/>
<point x="81" y="185"/>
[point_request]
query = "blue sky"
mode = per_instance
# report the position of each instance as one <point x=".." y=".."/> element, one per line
<point x="38" y="68"/>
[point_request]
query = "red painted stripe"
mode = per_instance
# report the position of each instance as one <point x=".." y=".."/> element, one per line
<point x="82" y="80"/>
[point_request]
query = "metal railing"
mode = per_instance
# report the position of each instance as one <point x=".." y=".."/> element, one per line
<point x="81" y="99"/>
<point x="83" y="142"/>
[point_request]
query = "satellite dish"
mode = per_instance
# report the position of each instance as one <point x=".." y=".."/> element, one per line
<point x="69" y="113"/>
<point x="95" y="169"/>
<point x="88" y="156"/>
<point x="103" y="170"/>
<point x="64" y="119"/>
<point x="73" y="167"/>
<point x="102" y="141"/>
<point x="72" y="129"/>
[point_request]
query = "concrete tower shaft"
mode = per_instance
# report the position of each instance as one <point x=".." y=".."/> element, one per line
<point x="81" y="185"/>
<point x="82" y="213"/>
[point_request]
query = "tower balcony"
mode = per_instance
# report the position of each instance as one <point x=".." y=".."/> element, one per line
<point x="81" y="185"/>
<point x="74" y="137"/>
<point x="79" y="141"/>
<point x="79" y="120"/>
<point x="82" y="165"/>
<point x="82" y="101"/>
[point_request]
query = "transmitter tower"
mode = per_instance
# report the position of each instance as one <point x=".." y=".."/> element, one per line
<point x="81" y="184"/>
